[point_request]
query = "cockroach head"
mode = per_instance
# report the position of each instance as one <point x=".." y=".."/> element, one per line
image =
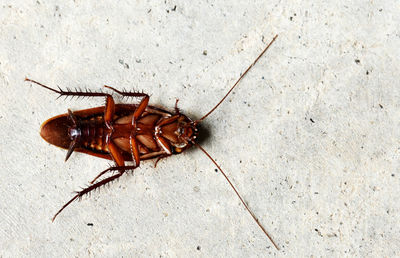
<point x="187" y="133"/>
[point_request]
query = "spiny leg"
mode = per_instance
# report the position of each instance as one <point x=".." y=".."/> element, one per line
<point x="120" y="167"/>
<point x="97" y="185"/>
<point x="109" y="108"/>
<point x="110" y="105"/>
<point x="127" y="94"/>
<point x="116" y="156"/>
<point x="102" y="173"/>
<point x="67" y="93"/>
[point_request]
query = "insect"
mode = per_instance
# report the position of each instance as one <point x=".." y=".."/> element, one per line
<point x="127" y="133"/>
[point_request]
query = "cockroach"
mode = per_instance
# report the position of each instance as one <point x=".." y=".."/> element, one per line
<point x="128" y="133"/>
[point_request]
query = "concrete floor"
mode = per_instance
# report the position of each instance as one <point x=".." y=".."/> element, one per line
<point x="311" y="137"/>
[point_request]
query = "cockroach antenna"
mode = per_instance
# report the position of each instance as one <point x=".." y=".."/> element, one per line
<point x="237" y="82"/>
<point x="216" y="164"/>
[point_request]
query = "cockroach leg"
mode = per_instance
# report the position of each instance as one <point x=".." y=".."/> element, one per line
<point x="107" y="180"/>
<point x="140" y="109"/>
<point x="100" y="174"/>
<point x="116" y="154"/>
<point x="127" y="94"/>
<point x="177" y="112"/>
<point x="70" y="93"/>
<point x="109" y="111"/>
<point x="168" y="120"/>
<point x="164" y="144"/>
<point x="160" y="158"/>
<point x="134" y="149"/>
<point x="132" y="138"/>
<point x="120" y="162"/>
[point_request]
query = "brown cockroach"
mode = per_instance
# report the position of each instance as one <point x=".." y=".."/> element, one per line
<point x="127" y="132"/>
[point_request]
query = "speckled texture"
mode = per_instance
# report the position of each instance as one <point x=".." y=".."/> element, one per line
<point x="310" y="138"/>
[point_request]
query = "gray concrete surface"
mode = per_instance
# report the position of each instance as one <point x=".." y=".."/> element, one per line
<point x="311" y="138"/>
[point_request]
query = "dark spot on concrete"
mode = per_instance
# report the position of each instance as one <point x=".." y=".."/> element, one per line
<point x="367" y="72"/>
<point x="380" y="105"/>
<point x="357" y="61"/>
<point x="126" y="66"/>
<point x="90" y="224"/>
<point x="216" y="170"/>
<point x="198" y="248"/>
<point x="204" y="52"/>
<point x="312" y="121"/>
<point x="174" y="9"/>
<point x="121" y="61"/>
